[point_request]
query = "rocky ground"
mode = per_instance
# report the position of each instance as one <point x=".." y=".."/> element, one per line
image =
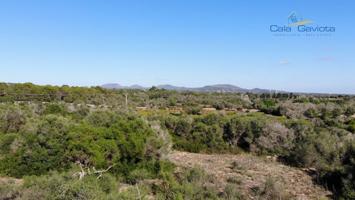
<point x="251" y="172"/>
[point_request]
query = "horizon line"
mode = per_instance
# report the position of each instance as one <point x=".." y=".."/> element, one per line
<point x="187" y="87"/>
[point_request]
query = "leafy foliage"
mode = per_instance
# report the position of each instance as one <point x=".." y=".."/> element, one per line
<point x="46" y="130"/>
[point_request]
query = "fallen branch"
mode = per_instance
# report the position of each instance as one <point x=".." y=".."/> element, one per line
<point x="100" y="172"/>
<point x="83" y="172"/>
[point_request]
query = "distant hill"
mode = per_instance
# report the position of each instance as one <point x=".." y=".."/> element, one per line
<point x="218" y="88"/>
<point x="223" y="88"/>
<point x="118" y="86"/>
<point x="171" y="87"/>
<point x="111" y="86"/>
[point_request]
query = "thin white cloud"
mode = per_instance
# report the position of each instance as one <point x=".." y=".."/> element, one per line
<point x="326" y="58"/>
<point x="284" y="62"/>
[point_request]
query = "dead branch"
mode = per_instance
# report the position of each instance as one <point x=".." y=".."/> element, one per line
<point x="83" y="172"/>
<point x="101" y="172"/>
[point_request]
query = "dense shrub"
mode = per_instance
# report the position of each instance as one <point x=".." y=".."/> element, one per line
<point x="63" y="186"/>
<point x="341" y="179"/>
<point x="202" y="133"/>
<point x="190" y="184"/>
<point x="36" y="151"/>
<point x="11" y="119"/>
<point x="351" y="125"/>
<point x="55" y="142"/>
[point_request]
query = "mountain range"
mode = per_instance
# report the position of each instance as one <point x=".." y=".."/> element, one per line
<point x="118" y="86"/>
<point x="224" y="88"/>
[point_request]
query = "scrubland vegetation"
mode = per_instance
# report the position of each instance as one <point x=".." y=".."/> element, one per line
<point x="92" y="143"/>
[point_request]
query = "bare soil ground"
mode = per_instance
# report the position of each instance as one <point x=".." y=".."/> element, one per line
<point x="252" y="172"/>
<point x="10" y="181"/>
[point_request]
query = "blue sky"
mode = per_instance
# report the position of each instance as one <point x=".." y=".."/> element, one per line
<point x="179" y="42"/>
